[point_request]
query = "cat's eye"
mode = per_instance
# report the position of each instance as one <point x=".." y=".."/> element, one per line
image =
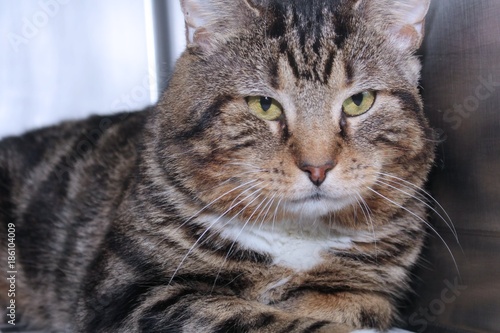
<point x="359" y="104"/>
<point x="265" y="107"/>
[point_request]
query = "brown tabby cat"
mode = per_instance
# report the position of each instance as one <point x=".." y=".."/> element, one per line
<point x="274" y="188"/>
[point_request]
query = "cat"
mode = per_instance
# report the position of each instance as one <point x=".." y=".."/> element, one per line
<point x="273" y="188"/>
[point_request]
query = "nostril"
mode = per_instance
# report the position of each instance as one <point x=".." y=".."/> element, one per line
<point x="317" y="174"/>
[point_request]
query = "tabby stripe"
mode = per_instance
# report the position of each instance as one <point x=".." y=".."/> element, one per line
<point x="42" y="215"/>
<point x="381" y="258"/>
<point x="383" y="139"/>
<point x="328" y="67"/>
<point x="408" y="101"/>
<point x="277" y="28"/>
<point x="139" y="262"/>
<point x="206" y="119"/>
<point x="263" y="320"/>
<point x="244" y="145"/>
<point x="291" y="327"/>
<point x="315" y="288"/>
<point x="155" y="318"/>
<point x="316" y="326"/>
<point x="81" y="218"/>
<point x="6" y="205"/>
<point x="368" y="319"/>
<point x="165" y="324"/>
<point x="163" y="305"/>
<point x="293" y="64"/>
<point x="233" y="283"/>
<point x="349" y="71"/>
<point x="317" y="46"/>
<point x="242" y="135"/>
<point x="342" y="30"/>
<point x="142" y="264"/>
<point x="232" y="325"/>
<point x="274" y="75"/>
<point x="176" y="181"/>
<point x="215" y="245"/>
<point x="240" y="323"/>
<point x="124" y="299"/>
<point x="32" y="150"/>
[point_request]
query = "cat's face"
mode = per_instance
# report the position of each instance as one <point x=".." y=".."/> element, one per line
<point x="303" y="110"/>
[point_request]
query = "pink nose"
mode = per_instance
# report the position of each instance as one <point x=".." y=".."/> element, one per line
<point x="317" y="174"/>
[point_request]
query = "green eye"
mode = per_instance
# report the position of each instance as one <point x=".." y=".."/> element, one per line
<point x="358" y="104"/>
<point x="265" y="107"/>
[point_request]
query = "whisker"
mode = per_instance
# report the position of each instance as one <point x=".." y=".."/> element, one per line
<point x="237" y="236"/>
<point x="426" y="194"/>
<point x="255" y="167"/>
<point x="275" y="215"/>
<point x="205" y="232"/>
<point x="424" y="221"/>
<point x="426" y="204"/>
<point x="266" y="208"/>
<point x="217" y="199"/>
<point x="367" y="212"/>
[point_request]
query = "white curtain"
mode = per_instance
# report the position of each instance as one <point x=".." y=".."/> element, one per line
<point x="65" y="59"/>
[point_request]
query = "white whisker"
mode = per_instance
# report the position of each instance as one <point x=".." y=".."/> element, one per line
<point x="206" y="231"/>
<point x="426" y="194"/>
<point x="426" y="204"/>
<point x="422" y="220"/>
<point x="368" y="215"/>
<point x="217" y="199"/>
<point x="275" y="215"/>
<point x="234" y="241"/>
<point x="266" y="208"/>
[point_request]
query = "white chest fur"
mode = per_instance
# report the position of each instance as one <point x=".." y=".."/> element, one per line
<point x="292" y="248"/>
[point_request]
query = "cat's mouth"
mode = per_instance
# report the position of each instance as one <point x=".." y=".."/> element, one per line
<point x="312" y="197"/>
<point x="317" y="204"/>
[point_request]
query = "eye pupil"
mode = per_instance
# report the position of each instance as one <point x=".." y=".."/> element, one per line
<point x="358" y="99"/>
<point x="266" y="103"/>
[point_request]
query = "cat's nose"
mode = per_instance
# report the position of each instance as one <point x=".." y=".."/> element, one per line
<point x="317" y="174"/>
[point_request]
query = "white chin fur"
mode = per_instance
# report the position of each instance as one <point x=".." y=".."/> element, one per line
<point x="312" y="209"/>
<point x="289" y="244"/>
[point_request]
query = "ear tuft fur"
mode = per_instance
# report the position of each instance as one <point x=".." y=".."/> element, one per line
<point x="210" y="21"/>
<point x="402" y="20"/>
<point x="409" y="18"/>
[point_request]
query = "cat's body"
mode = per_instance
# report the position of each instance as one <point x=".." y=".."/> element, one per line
<point x="209" y="214"/>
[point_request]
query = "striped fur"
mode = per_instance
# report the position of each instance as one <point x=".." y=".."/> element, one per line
<point x="195" y="216"/>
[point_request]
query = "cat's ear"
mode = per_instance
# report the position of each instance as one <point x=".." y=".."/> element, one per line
<point x="402" y="20"/>
<point x="209" y="22"/>
<point x="408" y="27"/>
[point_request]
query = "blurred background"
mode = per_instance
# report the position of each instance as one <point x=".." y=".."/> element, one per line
<point x="65" y="59"/>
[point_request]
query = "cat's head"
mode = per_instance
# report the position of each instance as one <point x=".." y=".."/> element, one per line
<point x="295" y="109"/>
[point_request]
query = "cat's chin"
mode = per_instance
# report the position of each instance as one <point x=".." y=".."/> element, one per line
<point x="317" y="205"/>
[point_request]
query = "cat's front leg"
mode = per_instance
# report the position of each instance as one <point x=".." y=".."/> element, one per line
<point x="360" y="309"/>
<point x="192" y="313"/>
<point x="189" y="311"/>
